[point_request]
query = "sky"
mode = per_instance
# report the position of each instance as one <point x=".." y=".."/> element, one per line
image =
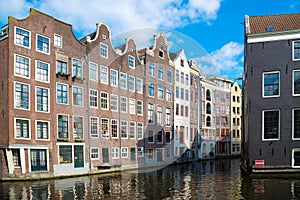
<point x="210" y="31"/>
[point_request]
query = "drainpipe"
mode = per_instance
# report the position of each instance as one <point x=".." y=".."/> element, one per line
<point x="87" y="59"/>
<point x="119" y="106"/>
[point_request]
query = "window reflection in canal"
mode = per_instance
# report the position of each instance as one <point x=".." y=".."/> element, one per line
<point x="220" y="179"/>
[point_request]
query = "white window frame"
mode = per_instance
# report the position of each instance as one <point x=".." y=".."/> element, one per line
<point x="103" y="75"/>
<point x="29" y="37"/>
<point x="293" y="50"/>
<point x="293" y="159"/>
<point x="160" y="92"/>
<point x="36" y="130"/>
<point x="139" y="127"/>
<point x="114" y="100"/>
<point x="48" y="103"/>
<point x="130" y="129"/>
<point x="117" y="123"/>
<point x="49" y="44"/>
<point x="19" y="75"/>
<point x="93" y="153"/>
<point x="293" y="79"/>
<point x="151" y="71"/>
<point x="113" y="78"/>
<point x="105" y="50"/>
<point x="124" y="123"/>
<point x="124" y="80"/>
<point x="93" y="67"/>
<point x="73" y="74"/>
<point x="139" y="85"/>
<point x="15" y="82"/>
<point x="115" y="152"/>
<point x="57" y="83"/>
<point x="141" y="107"/>
<point x="140" y="152"/>
<point x="67" y="128"/>
<point x="131" y="83"/>
<point x="131" y="61"/>
<point x="15" y="128"/>
<point x="263" y="90"/>
<point x="106" y="135"/>
<point x="82" y="126"/>
<point x="124" y="152"/>
<point x="36" y="72"/>
<point x="82" y="98"/>
<point x="262" y="131"/>
<point x="169" y="94"/>
<point x="103" y="98"/>
<point x="97" y="96"/>
<point x="131" y="106"/>
<point x="293" y="123"/>
<point x="97" y="127"/>
<point x="57" y="40"/>
<point x="121" y="107"/>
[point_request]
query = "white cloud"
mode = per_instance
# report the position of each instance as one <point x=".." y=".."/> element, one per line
<point x="14" y="8"/>
<point x="226" y="61"/>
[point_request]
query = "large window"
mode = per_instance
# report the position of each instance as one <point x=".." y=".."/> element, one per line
<point x="63" y="126"/>
<point x="151" y="69"/>
<point x="296" y="50"/>
<point x="65" y="154"/>
<point x="271" y="128"/>
<point x="22" y="128"/>
<point x="76" y="68"/>
<point x="150" y="113"/>
<point x="123" y="104"/>
<point x="94" y="126"/>
<point x="139" y="107"/>
<point x="124" y="151"/>
<point x="22" y="37"/>
<point x="160" y="92"/>
<point x="113" y="102"/>
<point x="271" y="84"/>
<point x="104" y="128"/>
<point x="57" y="41"/>
<point x="21" y="96"/>
<point x="124" y="125"/>
<point x="296" y="82"/>
<point x="114" y="128"/>
<point x="177" y="75"/>
<point x="159" y="137"/>
<point x="159" y="115"/>
<point x="140" y="152"/>
<point x="168" y="137"/>
<point x="61" y="67"/>
<point x="22" y="66"/>
<point x="104" y="100"/>
<point x="103" y="50"/>
<point x="168" y="116"/>
<point x="132" y="130"/>
<point x="160" y="73"/>
<point x="169" y="94"/>
<point x="132" y="106"/>
<point x="115" y="152"/>
<point x="123" y="80"/>
<point x="43" y="44"/>
<point x="42" y="130"/>
<point x="93" y="68"/>
<point x="78" y="127"/>
<point x="103" y="74"/>
<point x="131" y="61"/>
<point x="169" y="76"/>
<point x="131" y="84"/>
<point x="139" y="86"/>
<point x="77" y="96"/>
<point x="61" y="93"/>
<point x="42" y="71"/>
<point x="150" y="136"/>
<point x="296" y="123"/>
<point x="113" y="77"/>
<point x="94" y="153"/>
<point x="140" y="130"/>
<point x="94" y="98"/>
<point x="42" y="99"/>
<point x="151" y="89"/>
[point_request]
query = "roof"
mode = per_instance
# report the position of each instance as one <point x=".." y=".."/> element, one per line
<point x="275" y="23"/>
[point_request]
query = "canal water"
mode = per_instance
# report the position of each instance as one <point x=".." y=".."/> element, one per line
<point x="214" y="179"/>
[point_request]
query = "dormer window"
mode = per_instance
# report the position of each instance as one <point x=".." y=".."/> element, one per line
<point x="161" y="53"/>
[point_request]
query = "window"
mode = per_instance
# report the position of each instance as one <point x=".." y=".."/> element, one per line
<point x="16" y="157"/>
<point x="139" y="107"/>
<point x="94" y="153"/>
<point x="160" y="73"/>
<point x="296" y="123"/>
<point x="104" y="100"/>
<point x="123" y="81"/>
<point x="93" y="70"/>
<point x="159" y="137"/>
<point x="159" y="115"/>
<point x="131" y="61"/>
<point x="42" y="130"/>
<point x="169" y="94"/>
<point x="150" y="136"/>
<point x="132" y="154"/>
<point x="94" y="127"/>
<point x="177" y="75"/>
<point x="76" y="68"/>
<point x="271" y="124"/>
<point x="140" y="152"/>
<point x="296" y="157"/>
<point x="113" y="102"/>
<point x="78" y="128"/>
<point x="113" y="77"/>
<point x="22" y="37"/>
<point x="42" y="71"/>
<point x="61" y="93"/>
<point x="139" y="86"/>
<point x="22" y="128"/>
<point x="169" y="76"/>
<point x="177" y="109"/>
<point x="160" y="92"/>
<point x="161" y="53"/>
<point x="151" y="89"/>
<point x="65" y="154"/>
<point x="124" y="125"/>
<point x="123" y="104"/>
<point x="103" y="50"/>
<point x="177" y="92"/>
<point x="22" y="66"/>
<point x="42" y="99"/>
<point x="61" y="67"/>
<point x="296" y="82"/>
<point x="182" y="93"/>
<point x="168" y="137"/>
<point x="186" y="111"/>
<point x="63" y="126"/>
<point x="131" y="84"/>
<point x="42" y="44"/>
<point x="271" y="84"/>
<point x="103" y="74"/>
<point x="131" y="106"/>
<point x="140" y="130"/>
<point x="124" y="151"/>
<point x="186" y="95"/>
<point x="150" y="113"/>
<point x="114" y="128"/>
<point x="132" y="130"/>
<point x="182" y="77"/>
<point x="21" y="96"/>
<point x="57" y="41"/>
<point x="168" y="116"/>
<point x="115" y="152"/>
<point x="151" y="68"/>
<point x="296" y="50"/>
<point x="150" y="154"/>
<point x="104" y="128"/>
<point x="77" y="96"/>
<point x="94" y="98"/>
<point x="186" y="80"/>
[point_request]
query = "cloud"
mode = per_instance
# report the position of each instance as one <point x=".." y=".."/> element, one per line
<point x="14" y="8"/>
<point x="226" y="61"/>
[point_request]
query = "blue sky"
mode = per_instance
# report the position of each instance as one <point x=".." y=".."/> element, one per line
<point x="210" y="31"/>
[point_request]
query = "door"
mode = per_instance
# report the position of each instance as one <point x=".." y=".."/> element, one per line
<point x="78" y="156"/>
<point x="38" y="159"/>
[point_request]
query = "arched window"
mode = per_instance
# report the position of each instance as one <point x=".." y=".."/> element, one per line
<point x="208" y="108"/>
<point x="208" y="121"/>
<point x="208" y="97"/>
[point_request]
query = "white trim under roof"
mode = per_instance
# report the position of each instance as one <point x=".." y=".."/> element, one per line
<point x="273" y="36"/>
